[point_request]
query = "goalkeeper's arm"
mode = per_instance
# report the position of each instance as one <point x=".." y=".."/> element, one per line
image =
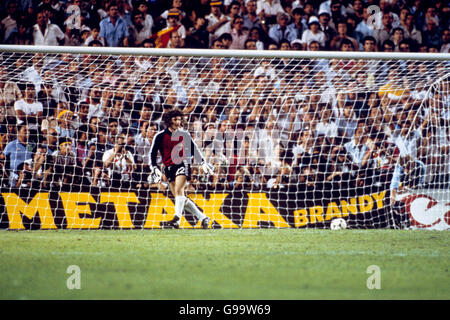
<point x="199" y="158"/>
<point x="155" y="172"/>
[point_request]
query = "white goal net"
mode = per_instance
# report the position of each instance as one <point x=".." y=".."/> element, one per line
<point x="296" y="140"/>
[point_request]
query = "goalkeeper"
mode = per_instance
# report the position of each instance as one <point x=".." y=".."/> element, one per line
<point x="177" y="148"/>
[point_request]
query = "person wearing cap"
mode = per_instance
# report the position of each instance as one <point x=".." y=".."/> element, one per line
<point x="216" y="21"/>
<point x="327" y="26"/>
<point x="177" y="6"/>
<point x="64" y="162"/>
<point x="313" y="33"/>
<point x="64" y="127"/>
<point x="296" y="44"/>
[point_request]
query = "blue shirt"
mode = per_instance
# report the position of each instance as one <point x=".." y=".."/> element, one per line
<point x="276" y="34"/>
<point x="399" y="175"/>
<point x="356" y="152"/>
<point x="113" y="34"/>
<point x="17" y="153"/>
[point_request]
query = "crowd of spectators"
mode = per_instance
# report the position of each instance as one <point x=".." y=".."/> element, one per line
<point x="397" y="25"/>
<point x="87" y="120"/>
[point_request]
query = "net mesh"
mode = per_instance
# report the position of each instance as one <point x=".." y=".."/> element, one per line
<point x="295" y="142"/>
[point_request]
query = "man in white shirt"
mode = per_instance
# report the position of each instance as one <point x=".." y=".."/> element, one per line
<point x="217" y="21"/>
<point x="119" y="163"/>
<point x="313" y="33"/>
<point x="30" y="111"/>
<point x="95" y="103"/>
<point x="45" y="33"/>
<point x="269" y="9"/>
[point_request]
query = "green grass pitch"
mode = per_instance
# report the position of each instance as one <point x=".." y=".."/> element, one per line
<point x="280" y="264"/>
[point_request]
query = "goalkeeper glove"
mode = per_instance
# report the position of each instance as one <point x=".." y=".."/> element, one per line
<point x="156" y="174"/>
<point x="207" y="168"/>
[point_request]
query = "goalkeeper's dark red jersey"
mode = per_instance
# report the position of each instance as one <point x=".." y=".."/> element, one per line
<point x="174" y="148"/>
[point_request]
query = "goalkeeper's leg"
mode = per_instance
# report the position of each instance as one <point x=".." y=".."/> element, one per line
<point x="182" y="202"/>
<point x="177" y="188"/>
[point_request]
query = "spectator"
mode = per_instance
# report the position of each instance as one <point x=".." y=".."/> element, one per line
<point x="431" y="36"/>
<point x="251" y="19"/>
<point x="410" y="30"/>
<point x="357" y="148"/>
<point x="409" y="173"/>
<point x="177" y="6"/>
<point x="385" y="9"/>
<point x="217" y="21"/>
<point x="347" y="122"/>
<point x="404" y="46"/>
<point x="30" y="111"/>
<point x="342" y="33"/>
<point x="313" y="33"/>
<point x="198" y="36"/>
<point x="397" y="37"/>
<point x="175" y="41"/>
<point x="445" y="41"/>
<point x="256" y="35"/>
<point x="267" y="10"/>
<point x="174" y="25"/>
<point x="370" y="44"/>
<point x="65" y="127"/>
<point x="9" y="94"/>
<point x="385" y="31"/>
<point x="142" y="7"/>
<point x="65" y="165"/>
<point x="282" y="30"/>
<point x="339" y="173"/>
<point x="16" y="153"/>
<point x="119" y="164"/>
<point x="238" y="34"/>
<point x="46" y="33"/>
<point x="364" y="28"/>
<point x="330" y="33"/>
<point x="93" y="164"/>
<point x="113" y="29"/>
<point x="42" y="168"/>
<point x="9" y="23"/>
<point x="138" y="30"/>
<point x="94" y="37"/>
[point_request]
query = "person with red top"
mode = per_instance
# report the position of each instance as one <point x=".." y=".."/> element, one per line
<point x="177" y="148"/>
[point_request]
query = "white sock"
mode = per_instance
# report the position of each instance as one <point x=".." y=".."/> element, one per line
<point x="192" y="208"/>
<point x="179" y="205"/>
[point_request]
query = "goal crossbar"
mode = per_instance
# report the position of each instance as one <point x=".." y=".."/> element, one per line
<point x="227" y="53"/>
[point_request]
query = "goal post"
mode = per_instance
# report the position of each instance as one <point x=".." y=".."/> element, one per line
<point x="297" y="138"/>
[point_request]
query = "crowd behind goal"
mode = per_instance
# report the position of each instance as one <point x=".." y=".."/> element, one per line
<point x="265" y="124"/>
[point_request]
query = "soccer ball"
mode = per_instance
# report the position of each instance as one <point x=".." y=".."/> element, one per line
<point x="338" y="224"/>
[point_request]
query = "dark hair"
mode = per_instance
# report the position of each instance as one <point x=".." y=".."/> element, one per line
<point x="298" y="10"/>
<point x="225" y="36"/>
<point x="169" y="115"/>
<point x="369" y="38"/>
